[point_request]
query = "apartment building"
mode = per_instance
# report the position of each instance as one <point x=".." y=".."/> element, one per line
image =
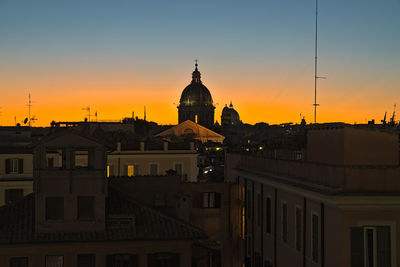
<point x="74" y="219"/>
<point x="16" y="173"/>
<point x="338" y="207"/>
<point x="154" y="159"/>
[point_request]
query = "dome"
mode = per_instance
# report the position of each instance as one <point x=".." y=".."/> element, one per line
<point x="196" y="94"/>
<point x="229" y="116"/>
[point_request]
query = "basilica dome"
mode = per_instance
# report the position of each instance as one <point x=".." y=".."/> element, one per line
<point x="196" y="93"/>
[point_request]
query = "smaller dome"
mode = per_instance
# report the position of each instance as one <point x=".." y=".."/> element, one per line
<point x="229" y="116"/>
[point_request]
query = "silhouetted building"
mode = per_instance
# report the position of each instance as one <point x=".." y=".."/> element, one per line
<point x="196" y="103"/>
<point x="338" y="207"/>
<point x="230" y="116"/>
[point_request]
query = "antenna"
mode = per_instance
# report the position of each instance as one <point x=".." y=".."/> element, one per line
<point x="316" y="63"/>
<point x="144" y="117"/>
<point x="29" y="109"/>
<point x="88" y="110"/>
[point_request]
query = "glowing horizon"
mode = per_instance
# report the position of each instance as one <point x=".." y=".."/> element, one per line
<point x="118" y="58"/>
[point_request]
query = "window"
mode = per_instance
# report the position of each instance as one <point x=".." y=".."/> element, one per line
<point x="19" y="262"/>
<point x="86" y="208"/>
<point x="54" y="208"/>
<point x="82" y="158"/>
<point x="370" y="246"/>
<point x="153" y="169"/>
<point x="268" y="215"/>
<point x="55" y="261"/>
<point x="259" y="210"/>
<point x="284" y="222"/>
<point x="14" y="166"/>
<point x="13" y="195"/>
<point x="86" y="260"/>
<point x="257" y="260"/>
<point x="248" y="199"/>
<point x="298" y="228"/>
<point x="211" y="200"/>
<point x="163" y="260"/>
<point x="110" y="170"/>
<point x="314" y="237"/>
<point x="122" y="260"/>
<point x="55" y="158"/>
<point x="130" y="170"/>
<point x="178" y="168"/>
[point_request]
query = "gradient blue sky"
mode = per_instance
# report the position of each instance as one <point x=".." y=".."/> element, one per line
<point x="117" y="56"/>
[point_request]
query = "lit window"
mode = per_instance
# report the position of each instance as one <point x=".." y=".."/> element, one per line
<point x="131" y="170"/>
<point x="82" y="158"/>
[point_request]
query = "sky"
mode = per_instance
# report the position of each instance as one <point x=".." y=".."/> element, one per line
<point x="118" y="56"/>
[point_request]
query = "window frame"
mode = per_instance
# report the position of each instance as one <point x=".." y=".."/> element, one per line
<point x="314" y="213"/>
<point x="18" y="258"/>
<point x="158" y="169"/>
<point x="268" y="214"/>
<point x="299" y="249"/>
<point x="46" y="209"/>
<point x="216" y="200"/>
<point x="54" y="255"/>
<point x="284" y="234"/>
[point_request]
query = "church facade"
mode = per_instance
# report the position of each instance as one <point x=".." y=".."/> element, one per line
<point x="196" y="103"/>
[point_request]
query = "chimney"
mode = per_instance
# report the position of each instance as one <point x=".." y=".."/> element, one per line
<point x="119" y="147"/>
<point x="165" y="146"/>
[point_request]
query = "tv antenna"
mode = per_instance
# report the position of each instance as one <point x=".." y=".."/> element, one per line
<point x="88" y="110"/>
<point x="316" y="63"/>
<point x="30" y="118"/>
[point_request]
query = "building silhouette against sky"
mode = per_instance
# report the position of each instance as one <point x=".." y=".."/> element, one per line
<point x="196" y="102"/>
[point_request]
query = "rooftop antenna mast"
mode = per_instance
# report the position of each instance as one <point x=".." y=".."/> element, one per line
<point x="316" y="63"/>
<point x="29" y="110"/>
<point x="144" y="117"/>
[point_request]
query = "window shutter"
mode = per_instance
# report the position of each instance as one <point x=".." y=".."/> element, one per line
<point x="383" y="246"/>
<point x="357" y="246"/>
<point x="8" y="162"/>
<point x="20" y="165"/>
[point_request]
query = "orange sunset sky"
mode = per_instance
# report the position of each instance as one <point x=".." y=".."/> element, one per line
<point x="118" y="58"/>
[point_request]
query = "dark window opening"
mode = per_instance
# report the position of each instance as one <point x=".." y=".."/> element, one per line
<point x="87" y="260"/>
<point x="211" y="200"/>
<point x="54" y="208"/>
<point x="268" y="215"/>
<point x="86" y="209"/>
<point x="19" y="262"/>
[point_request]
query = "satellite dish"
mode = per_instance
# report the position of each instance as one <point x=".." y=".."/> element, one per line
<point x="26" y="120"/>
